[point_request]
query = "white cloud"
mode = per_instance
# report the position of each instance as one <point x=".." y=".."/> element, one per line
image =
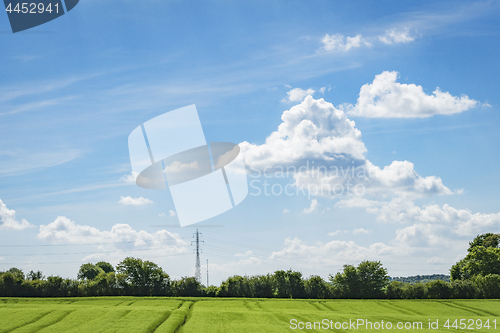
<point x="18" y="162"/>
<point x="429" y="227"/>
<point x="162" y="215"/>
<point x="171" y="213"/>
<point x="338" y="232"/>
<point x="134" y="201"/>
<point x="335" y="252"/>
<point x="176" y="167"/>
<point x="358" y="231"/>
<point x="246" y="254"/>
<point x="129" y="178"/>
<point x="121" y="237"/>
<point x="323" y="150"/>
<point x="459" y="221"/>
<point x="322" y="90"/>
<point x="385" y="98"/>
<point x="311" y="130"/>
<point x="286" y="211"/>
<point x="313" y="208"/>
<point x="395" y="36"/>
<point x="8" y="219"/>
<point x="297" y="95"/>
<point x="342" y="43"/>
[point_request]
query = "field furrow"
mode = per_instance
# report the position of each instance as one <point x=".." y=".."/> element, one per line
<point x="241" y="315"/>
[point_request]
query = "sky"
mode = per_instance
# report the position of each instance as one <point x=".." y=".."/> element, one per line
<point x="383" y="115"/>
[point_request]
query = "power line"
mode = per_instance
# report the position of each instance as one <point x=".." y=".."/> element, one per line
<point x="74" y="253"/>
<point x="78" y="262"/>
<point x="80" y="244"/>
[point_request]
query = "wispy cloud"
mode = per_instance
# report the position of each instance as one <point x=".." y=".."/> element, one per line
<point x="396" y="36"/>
<point x="18" y="162"/>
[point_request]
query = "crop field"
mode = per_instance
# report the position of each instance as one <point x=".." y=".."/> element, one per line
<point x="149" y="314"/>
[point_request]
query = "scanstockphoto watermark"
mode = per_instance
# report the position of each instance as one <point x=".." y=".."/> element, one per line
<point x="310" y="180"/>
<point x="365" y="324"/>
<point x="358" y="324"/>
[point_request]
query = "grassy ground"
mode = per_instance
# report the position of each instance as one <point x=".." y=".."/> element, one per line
<point x="129" y="314"/>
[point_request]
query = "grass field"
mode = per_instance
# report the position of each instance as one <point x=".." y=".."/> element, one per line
<point x="129" y="314"/>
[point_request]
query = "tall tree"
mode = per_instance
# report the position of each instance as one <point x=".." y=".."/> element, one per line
<point x="105" y="266"/>
<point x="88" y="271"/>
<point x="34" y="276"/>
<point x="187" y="286"/>
<point x="144" y="276"/>
<point x="483" y="258"/>
<point x="365" y="281"/>
<point x="485" y="240"/>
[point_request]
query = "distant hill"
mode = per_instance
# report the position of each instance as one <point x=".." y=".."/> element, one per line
<point x="421" y="278"/>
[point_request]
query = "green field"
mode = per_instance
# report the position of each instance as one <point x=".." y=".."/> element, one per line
<point x="135" y="314"/>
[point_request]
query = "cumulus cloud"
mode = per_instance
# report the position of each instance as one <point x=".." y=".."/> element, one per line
<point x="129" y="201"/>
<point x="311" y="130"/>
<point x="121" y="237"/>
<point x="459" y="221"/>
<point x="8" y="219"/>
<point x="335" y="252"/>
<point x="395" y="36"/>
<point x="386" y="98"/>
<point x="322" y="149"/>
<point x="297" y="95"/>
<point x="171" y="213"/>
<point x="313" y="208"/>
<point x="341" y="43"/>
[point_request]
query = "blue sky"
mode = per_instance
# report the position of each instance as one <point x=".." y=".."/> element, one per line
<point x="73" y="89"/>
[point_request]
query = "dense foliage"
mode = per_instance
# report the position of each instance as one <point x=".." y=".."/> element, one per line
<point x="483" y="259"/>
<point x="421" y="278"/>
<point x="476" y="276"/>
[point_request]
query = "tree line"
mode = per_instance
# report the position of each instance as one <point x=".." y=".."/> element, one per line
<point x="476" y="276"/>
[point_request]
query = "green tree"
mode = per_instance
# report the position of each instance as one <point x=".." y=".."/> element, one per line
<point x="34" y="276"/>
<point x="463" y="289"/>
<point x="263" y="286"/>
<point x="89" y="271"/>
<point x="479" y="261"/>
<point x="187" y="286"/>
<point x="365" y="281"/>
<point x="289" y="284"/>
<point x="373" y="278"/>
<point x="144" y="277"/>
<point x="105" y="266"/>
<point x="18" y="273"/>
<point x="235" y="286"/>
<point x="347" y="282"/>
<point x="485" y="240"/>
<point x="396" y="290"/>
<point x="489" y="285"/>
<point x="316" y="287"/>
<point x="438" y="289"/>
